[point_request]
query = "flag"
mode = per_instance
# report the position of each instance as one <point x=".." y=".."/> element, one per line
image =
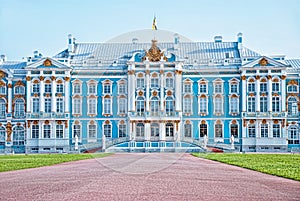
<point x="154" y="27"/>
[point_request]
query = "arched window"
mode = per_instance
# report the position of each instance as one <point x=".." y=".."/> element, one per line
<point x="35" y="129"/>
<point x="59" y="131"/>
<point x="169" y="130"/>
<point x="293" y="133"/>
<point x="263" y="103"/>
<point x="169" y="81"/>
<point x="251" y="130"/>
<point x="203" y="104"/>
<point x="140" y="130"/>
<point x="122" y="129"/>
<point x="292" y="89"/>
<point x="251" y="104"/>
<point x="264" y="130"/>
<point x="154" y="130"/>
<point x="140" y="106"/>
<point x="92" y="88"/>
<point x="234" y="130"/>
<point x="203" y="129"/>
<point x="169" y="106"/>
<point x="218" y="104"/>
<point x="92" y="131"/>
<point x="122" y="87"/>
<point x="92" y="106"/>
<point x="107" y="129"/>
<point x="18" y="135"/>
<point x="48" y="87"/>
<point x="218" y="130"/>
<point x="154" y="106"/>
<point x="76" y="88"/>
<point x="2" y="108"/>
<point x="187" y="104"/>
<point x="77" y="130"/>
<point x="19" y="108"/>
<point x="275" y="104"/>
<point x="122" y="105"/>
<point x="234" y="104"/>
<point x="2" y="135"/>
<point x="251" y="87"/>
<point x="292" y="106"/>
<point x="60" y="88"/>
<point x="35" y="105"/>
<point x="19" y="90"/>
<point x="187" y="130"/>
<point x="154" y="80"/>
<point x="36" y="87"/>
<point x="140" y="81"/>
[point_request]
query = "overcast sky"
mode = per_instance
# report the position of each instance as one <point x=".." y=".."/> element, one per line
<point x="269" y="26"/>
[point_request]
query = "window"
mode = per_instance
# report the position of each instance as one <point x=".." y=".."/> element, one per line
<point x="203" y="88"/>
<point x="140" y="130"/>
<point x="234" y="105"/>
<point x="234" y="130"/>
<point x="154" y="106"/>
<point x="122" y="88"/>
<point x="47" y="88"/>
<point x="122" y="106"/>
<point x="187" y="88"/>
<point x="3" y="90"/>
<point x="292" y="89"/>
<point x="203" y="105"/>
<point x="76" y="131"/>
<point x="218" y="104"/>
<point x="2" y="108"/>
<point x="275" y="104"/>
<point x="76" y="106"/>
<point x="169" y="106"/>
<point x="59" y="105"/>
<point x="92" y="105"/>
<point x="263" y="104"/>
<point x="251" y="87"/>
<point x="122" y="130"/>
<point x="2" y="135"/>
<point x="107" y="130"/>
<point x="19" y="90"/>
<point x="233" y="88"/>
<point x="19" y="108"/>
<point x="293" y="133"/>
<point x="59" y="131"/>
<point x="35" y="105"/>
<point x="140" y="105"/>
<point x="203" y="130"/>
<point x="18" y="136"/>
<point x="92" y="88"/>
<point x="154" y="82"/>
<point x="264" y="130"/>
<point x="140" y="82"/>
<point x="251" y="104"/>
<point x="60" y="88"/>
<point x="187" y="130"/>
<point x="106" y="88"/>
<point x="169" y="130"/>
<point x="47" y="105"/>
<point x="107" y="106"/>
<point x="169" y="82"/>
<point x="187" y="105"/>
<point x="251" y="130"/>
<point x="263" y="87"/>
<point x="218" y="130"/>
<point x="36" y="88"/>
<point x="154" y="130"/>
<point x="47" y="131"/>
<point x="276" y="130"/>
<point x="92" y="131"/>
<point x="76" y="88"/>
<point x="292" y="106"/>
<point x="275" y="86"/>
<point x="218" y="88"/>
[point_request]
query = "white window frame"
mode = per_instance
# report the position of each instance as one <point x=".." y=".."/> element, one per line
<point x="122" y="106"/>
<point x="19" y="90"/>
<point x="276" y="104"/>
<point x="92" y="138"/>
<point x="188" y="105"/>
<point x="275" y="130"/>
<point x="49" y="131"/>
<point x="124" y="131"/>
<point x="74" y="106"/>
<point x="92" y="106"/>
<point x="59" y="131"/>
<point x="107" y="130"/>
<point x="264" y="130"/>
<point x="233" y="106"/>
<point x="107" y="108"/>
<point x="218" y="106"/>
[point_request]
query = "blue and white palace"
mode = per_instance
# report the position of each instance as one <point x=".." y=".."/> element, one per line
<point x="145" y="91"/>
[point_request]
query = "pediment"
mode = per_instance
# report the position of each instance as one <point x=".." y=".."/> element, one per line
<point x="47" y="63"/>
<point x="264" y="61"/>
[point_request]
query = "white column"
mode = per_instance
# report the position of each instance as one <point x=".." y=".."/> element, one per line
<point x="28" y="94"/>
<point x="9" y="98"/>
<point x="270" y="133"/>
<point x="162" y="128"/>
<point x="67" y="94"/>
<point x="147" y="130"/>
<point x="134" y="131"/>
<point x="178" y="94"/>
<point x="42" y="91"/>
<point x="131" y="89"/>
<point x="178" y="131"/>
<point x="162" y="94"/>
<point x="283" y="94"/>
<point x="244" y="91"/>
<point x="244" y="130"/>
<point x="257" y="129"/>
<point x="66" y="131"/>
<point x="53" y="97"/>
<point x="147" y="89"/>
<point x="270" y="94"/>
<point x="130" y="130"/>
<point x="257" y="86"/>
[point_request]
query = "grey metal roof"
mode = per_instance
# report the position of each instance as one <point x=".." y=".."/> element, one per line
<point x="247" y="53"/>
<point x="13" y="65"/>
<point x="295" y="63"/>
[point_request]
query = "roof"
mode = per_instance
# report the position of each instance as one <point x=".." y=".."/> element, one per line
<point x="13" y="65"/>
<point x="295" y="63"/>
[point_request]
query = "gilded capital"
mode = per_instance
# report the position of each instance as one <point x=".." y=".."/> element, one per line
<point x="257" y="77"/>
<point x="28" y="78"/>
<point x="9" y="85"/>
<point x="53" y="78"/>
<point x="269" y="77"/>
<point x="42" y="78"/>
<point x="283" y="77"/>
<point x="243" y="77"/>
<point x="67" y="79"/>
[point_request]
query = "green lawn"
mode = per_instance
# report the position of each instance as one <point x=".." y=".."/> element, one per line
<point x="282" y="165"/>
<point x="17" y="162"/>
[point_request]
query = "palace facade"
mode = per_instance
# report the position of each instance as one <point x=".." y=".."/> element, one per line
<point x="161" y="95"/>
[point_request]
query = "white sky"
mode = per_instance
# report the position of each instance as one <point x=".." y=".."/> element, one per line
<point x="269" y="27"/>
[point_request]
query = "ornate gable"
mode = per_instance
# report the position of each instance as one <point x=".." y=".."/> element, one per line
<point x="154" y="54"/>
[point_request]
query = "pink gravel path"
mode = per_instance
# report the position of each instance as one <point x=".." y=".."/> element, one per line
<point x="154" y="176"/>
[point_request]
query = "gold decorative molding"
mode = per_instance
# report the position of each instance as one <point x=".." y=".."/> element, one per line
<point x="19" y="83"/>
<point x="233" y="121"/>
<point x="2" y="74"/>
<point x="66" y="124"/>
<point x="244" y="122"/>
<point x="161" y="71"/>
<point x="59" y="122"/>
<point x="67" y="79"/>
<point x="53" y="78"/>
<point x="292" y="82"/>
<point x="252" y="121"/>
<point x="269" y="77"/>
<point x="47" y="122"/>
<point x="131" y="72"/>
<point x="28" y="124"/>
<point x="48" y="81"/>
<point x="42" y="78"/>
<point x="28" y="78"/>
<point x="9" y="85"/>
<point x="59" y="81"/>
<point x="154" y="93"/>
<point x="257" y="77"/>
<point x="147" y="72"/>
<point x="169" y="93"/>
<point x="47" y="62"/>
<point x="264" y="121"/>
<point x="2" y="84"/>
<point x="263" y="62"/>
<point x="243" y="77"/>
<point x="141" y="93"/>
<point x="154" y="54"/>
<point x="35" y="122"/>
<point x="283" y="77"/>
<point x="203" y="122"/>
<point x="179" y="72"/>
<point x="9" y="131"/>
<point x="275" y="121"/>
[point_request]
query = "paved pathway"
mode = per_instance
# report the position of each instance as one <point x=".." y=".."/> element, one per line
<point x="145" y="177"/>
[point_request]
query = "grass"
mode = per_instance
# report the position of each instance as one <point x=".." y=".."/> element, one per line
<point x="18" y="162"/>
<point x="282" y="165"/>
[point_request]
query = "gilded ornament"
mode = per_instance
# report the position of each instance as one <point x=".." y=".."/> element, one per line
<point x="257" y="77"/>
<point x="154" y="54"/>
<point x="67" y="79"/>
<point x="9" y="131"/>
<point x="42" y="78"/>
<point x="9" y="85"/>
<point x="47" y="62"/>
<point x="243" y="77"/>
<point x="283" y="77"/>
<point x="263" y="62"/>
<point x="28" y="78"/>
